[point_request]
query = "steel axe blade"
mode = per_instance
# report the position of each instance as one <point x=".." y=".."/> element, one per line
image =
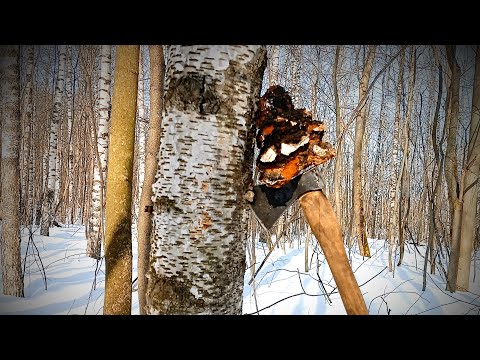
<point x="270" y="203"/>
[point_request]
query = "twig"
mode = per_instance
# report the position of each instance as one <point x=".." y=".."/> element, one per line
<point x="263" y="262"/>
<point x="98" y="265"/>
<point x="419" y="297"/>
<point x="68" y="312"/>
<point x="44" y="275"/>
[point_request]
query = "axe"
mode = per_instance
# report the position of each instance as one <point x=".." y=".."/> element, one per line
<point x="290" y="148"/>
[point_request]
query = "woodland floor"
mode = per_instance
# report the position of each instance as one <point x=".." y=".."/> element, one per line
<point x="60" y="279"/>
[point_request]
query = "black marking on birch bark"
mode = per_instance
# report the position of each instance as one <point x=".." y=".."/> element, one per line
<point x="168" y="205"/>
<point x="193" y="93"/>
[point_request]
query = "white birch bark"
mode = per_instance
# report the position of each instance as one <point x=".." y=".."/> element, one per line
<point x="95" y="234"/>
<point x="10" y="169"/>
<point x="69" y="106"/>
<point x="198" y="250"/>
<point x="295" y="88"/>
<point x="273" y="65"/>
<point x="392" y="195"/>
<point x="51" y="192"/>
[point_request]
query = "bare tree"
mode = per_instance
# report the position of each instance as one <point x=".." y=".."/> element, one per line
<point x="358" y="212"/>
<point x="10" y="170"/>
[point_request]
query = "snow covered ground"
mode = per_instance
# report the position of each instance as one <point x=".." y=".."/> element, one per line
<point x="60" y="279"/>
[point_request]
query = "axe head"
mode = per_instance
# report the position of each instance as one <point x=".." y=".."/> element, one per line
<point x="270" y="203"/>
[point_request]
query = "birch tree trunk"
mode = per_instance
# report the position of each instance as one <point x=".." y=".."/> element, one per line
<point x="378" y="172"/>
<point x="69" y="148"/>
<point x="205" y="161"/>
<point x="472" y="176"/>
<point x="403" y="169"/>
<point x="295" y="87"/>
<point x="359" y="213"/>
<point x="10" y="170"/>
<point x="273" y="66"/>
<point x="50" y="195"/>
<point x="118" y="236"/>
<point x="451" y="168"/>
<point x="96" y="227"/>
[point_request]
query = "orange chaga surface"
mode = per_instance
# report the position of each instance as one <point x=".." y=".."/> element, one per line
<point x="278" y="122"/>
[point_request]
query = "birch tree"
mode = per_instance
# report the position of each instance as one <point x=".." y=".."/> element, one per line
<point x="118" y="236"/>
<point x="393" y="191"/>
<point x="273" y="65"/>
<point x="51" y="192"/>
<point x="10" y="170"/>
<point x="405" y="147"/>
<point x="205" y="161"/>
<point x="96" y="229"/>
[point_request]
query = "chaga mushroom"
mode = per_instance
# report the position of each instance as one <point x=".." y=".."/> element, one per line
<point x="290" y="141"/>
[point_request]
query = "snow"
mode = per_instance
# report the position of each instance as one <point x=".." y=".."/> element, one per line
<point x="75" y="283"/>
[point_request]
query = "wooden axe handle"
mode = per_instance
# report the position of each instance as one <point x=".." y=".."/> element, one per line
<point x="323" y="222"/>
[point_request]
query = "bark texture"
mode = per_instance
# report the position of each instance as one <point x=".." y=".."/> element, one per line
<point x="205" y="162"/>
<point x="145" y="217"/>
<point x="10" y="170"/>
<point x="118" y="236"/>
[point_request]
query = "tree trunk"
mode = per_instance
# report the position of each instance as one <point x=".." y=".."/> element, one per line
<point x="69" y="93"/>
<point x="359" y="214"/>
<point x="295" y="88"/>
<point x="472" y="176"/>
<point x="27" y="118"/>
<point x="198" y="253"/>
<point x="96" y="227"/>
<point x="140" y="151"/>
<point x="377" y="167"/>
<point x="157" y="75"/>
<point x="339" y="149"/>
<point x="118" y="236"/>
<point x="10" y="170"/>
<point x="50" y="195"/>
<point x="393" y="198"/>
<point x="403" y="169"/>
<point x="451" y="169"/>
<point x="273" y="66"/>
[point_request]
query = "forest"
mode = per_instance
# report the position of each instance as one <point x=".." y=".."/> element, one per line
<point x="144" y="159"/>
